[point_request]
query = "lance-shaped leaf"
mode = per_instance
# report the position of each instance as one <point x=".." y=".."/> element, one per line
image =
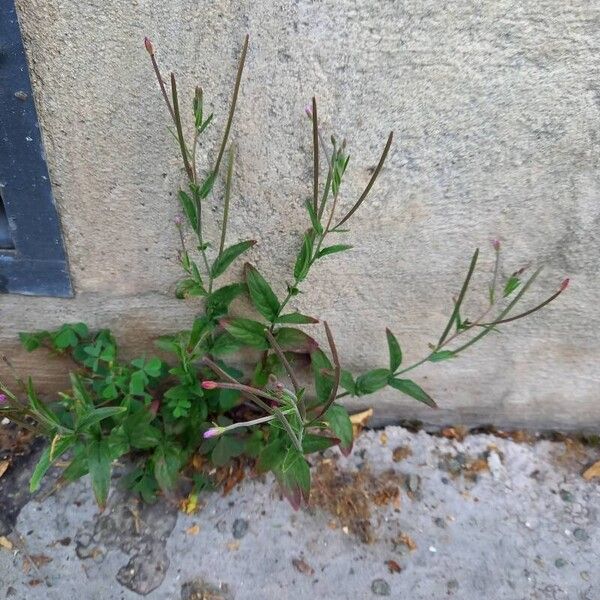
<point x="296" y="319"/>
<point x="247" y="331"/>
<point x="51" y="454"/>
<point x="338" y="421"/>
<point x="304" y="257"/>
<point x="293" y="476"/>
<point x="99" y="414"/>
<point x="262" y="296"/>
<point x="394" y="350"/>
<point x="228" y="256"/>
<point x="333" y="249"/>
<point x="410" y="388"/>
<point x="189" y="208"/>
<point x="295" y="340"/>
<point x="99" y="464"/>
<point x="370" y="382"/>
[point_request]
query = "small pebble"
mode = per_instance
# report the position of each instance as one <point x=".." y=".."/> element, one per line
<point x="559" y="563"/>
<point x="452" y="586"/>
<point x="585" y="575"/>
<point x="581" y="535"/>
<point x="414" y="483"/>
<point x="240" y="528"/>
<point x="566" y="496"/>
<point x="221" y="526"/>
<point x="441" y="523"/>
<point x="380" y="587"/>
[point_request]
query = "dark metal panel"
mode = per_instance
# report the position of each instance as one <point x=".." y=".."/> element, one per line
<point x="24" y="180"/>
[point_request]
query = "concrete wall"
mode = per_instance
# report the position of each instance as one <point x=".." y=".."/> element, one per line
<point x="496" y="109"/>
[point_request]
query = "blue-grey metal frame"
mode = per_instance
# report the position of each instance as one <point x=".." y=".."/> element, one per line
<point x="37" y="263"/>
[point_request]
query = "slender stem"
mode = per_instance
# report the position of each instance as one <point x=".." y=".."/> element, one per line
<point x="315" y="129"/>
<point x="177" y="118"/>
<point x="371" y="181"/>
<point x="460" y="299"/>
<point x="236" y="90"/>
<point x="495" y="275"/>
<point x="227" y="197"/>
<point x="161" y="83"/>
<point x="336" y="377"/>
<point x="502" y="314"/>
<point x="286" y="365"/>
<point x="523" y="314"/>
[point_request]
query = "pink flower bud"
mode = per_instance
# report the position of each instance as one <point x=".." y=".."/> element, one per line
<point x="308" y="110"/>
<point x="496" y="245"/>
<point x="564" y="285"/>
<point x="3" y="398"/>
<point x="210" y="385"/>
<point x="213" y="432"/>
<point x="149" y="46"/>
<point x="178" y="220"/>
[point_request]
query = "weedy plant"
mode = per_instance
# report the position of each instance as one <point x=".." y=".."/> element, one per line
<point x="165" y="414"/>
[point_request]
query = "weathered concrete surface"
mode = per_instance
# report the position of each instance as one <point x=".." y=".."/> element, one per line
<point x="489" y="518"/>
<point x="496" y="109"/>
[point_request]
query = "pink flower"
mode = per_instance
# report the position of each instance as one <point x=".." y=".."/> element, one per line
<point x="210" y="385"/>
<point x="3" y="398"/>
<point x="496" y="245"/>
<point x="149" y="46"/>
<point x="564" y="285"/>
<point x="213" y="432"/>
<point x="178" y="220"/>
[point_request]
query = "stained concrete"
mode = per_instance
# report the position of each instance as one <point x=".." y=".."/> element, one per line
<point x="496" y="110"/>
<point x="523" y="523"/>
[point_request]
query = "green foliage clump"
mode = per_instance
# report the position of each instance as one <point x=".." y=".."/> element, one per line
<point x="163" y="413"/>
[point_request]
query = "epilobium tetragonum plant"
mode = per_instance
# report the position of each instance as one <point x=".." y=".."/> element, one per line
<point x="164" y="414"/>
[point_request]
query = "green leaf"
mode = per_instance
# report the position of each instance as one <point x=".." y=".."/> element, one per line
<point x="65" y="338"/>
<point x="99" y="414"/>
<point x="372" y="381"/>
<point x="207" y="186"/>
<point x="295" y="340"/>
<point x="317" y="443"/>
<point x="512" y="284"/>
<point x="140" y="433"/>
<point x="219" y="300"/>
<point x="247" y="331"/>
<point x="188" y="288"/>
<point x="189" y="208"/>
<point x="293" y="475"/>
<point x="333" y="249"/>
<point x="32" y="341"/>
<point x="137" y="383"/>
<point x="227" y="447"/>
<point x="296" y="318"/>
<point x="225" y="344"/>
<point x="262" y="296"/>
<point x="304" y="258"/>
<point x="410" y="388"/>
<point x="167" y="461"/>
<point x="43" y="413"/>
<point x="271" y="455"/>
<point x="99" y="464"/>
<point x="313" y="217"/>
<point x="228" y="256"/>
<point x="394" y="351"/>
<point x="441" y="355"/>
<point x="58" y="447"/>
<point x="167" y="343"/>
<point x="321" y="366"/>
<point x="348" y="383"/>
<point x="154" y="366"/>
<point x="338" y="420"/>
